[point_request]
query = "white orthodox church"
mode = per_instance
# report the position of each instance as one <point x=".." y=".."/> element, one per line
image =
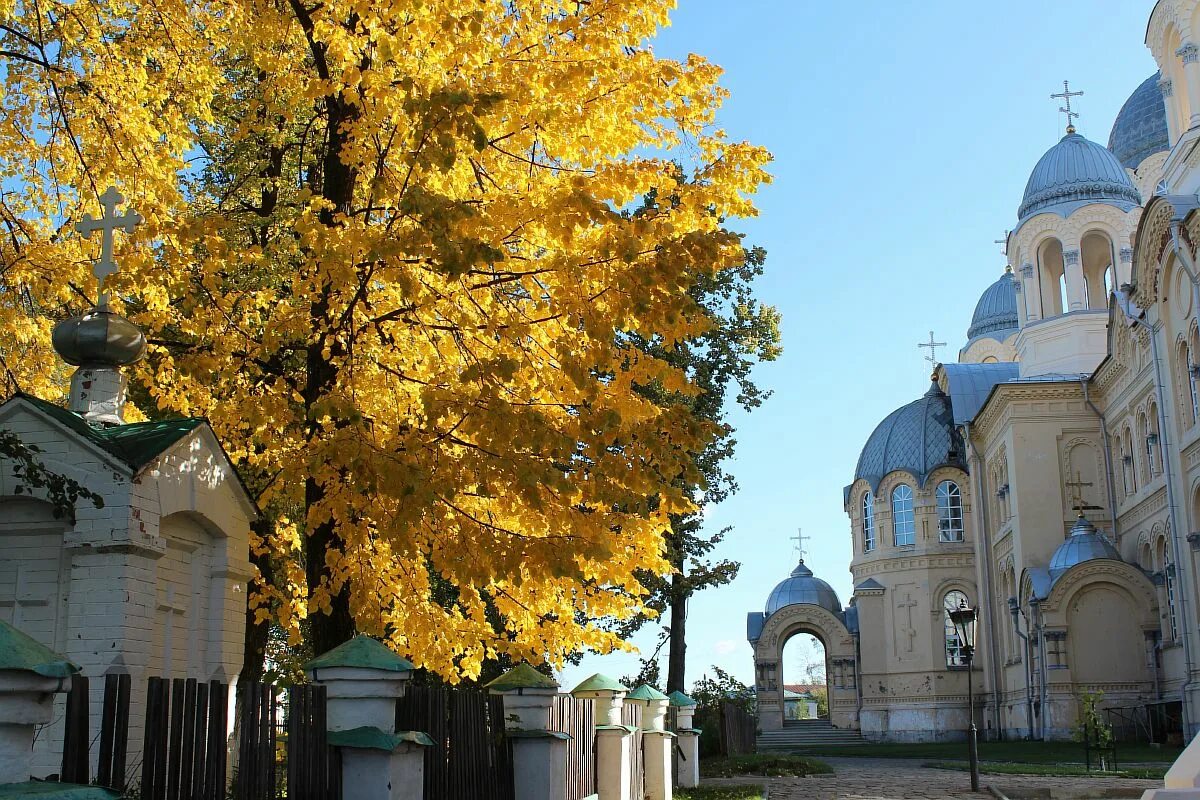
<point x="1050" y="477"/>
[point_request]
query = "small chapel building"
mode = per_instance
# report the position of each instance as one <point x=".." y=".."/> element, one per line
<point x="151" y="584"/>
<point x="1051" y="476"/>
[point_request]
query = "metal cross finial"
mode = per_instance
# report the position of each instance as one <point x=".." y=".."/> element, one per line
<point x="800" y="539"/>
<point x="1076" y="486"/>
<point x="1066" y="96"/>
<point x="1003" y="243"/>
<point x="933" y="346"/>
<point x="108" y="222"/>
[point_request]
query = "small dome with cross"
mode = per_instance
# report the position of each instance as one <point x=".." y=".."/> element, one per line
<point x="803" y="588"/>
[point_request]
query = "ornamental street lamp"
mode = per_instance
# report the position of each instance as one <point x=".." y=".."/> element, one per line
<point x="964" y="618"/>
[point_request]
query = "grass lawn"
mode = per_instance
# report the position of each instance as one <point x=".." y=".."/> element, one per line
<point x="1061" y="770"/>
<point x="721" y="793"/>
<point x="1011" y="752"/>
<point x="767" y="765"/>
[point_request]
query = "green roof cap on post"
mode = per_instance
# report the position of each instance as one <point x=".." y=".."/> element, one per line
<point x="646" y="692"/>
<point x="522" y="676"/>
<point x="361" y="652"/>
<point x="369" y="737"/>
<point x="679" y="699"/>
<point x="19" y="651"/>
<point x="600" y="683"/>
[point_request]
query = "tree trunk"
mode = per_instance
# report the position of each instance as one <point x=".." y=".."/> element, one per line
<point x="337" y="186"/>
<point x="254" y="650"/>
<point x="677" y="654"/>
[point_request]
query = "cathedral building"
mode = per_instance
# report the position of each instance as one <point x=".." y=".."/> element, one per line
<point x="1050" y="477"/>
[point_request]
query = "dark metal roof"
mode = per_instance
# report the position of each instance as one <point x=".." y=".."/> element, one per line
<point x="802" y="588"/>
<point x="1140" y="129"/>
<point x="1084" y="544"/>
<point x="916" y="438"/>
<point x="1074" y="173"/>
<point x="970" y="385"/>
<point x="996" y="309"/>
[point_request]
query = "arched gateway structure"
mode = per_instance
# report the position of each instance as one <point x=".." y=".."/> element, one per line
<point x="803" y="603"/>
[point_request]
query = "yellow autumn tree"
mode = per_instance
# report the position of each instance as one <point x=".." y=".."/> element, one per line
<point x="389" y="253"/>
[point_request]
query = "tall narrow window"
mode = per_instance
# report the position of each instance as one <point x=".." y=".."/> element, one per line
<point x="1192" y="385"/>
<point x="868" y="522"/>
<point x="954" y="646"/>
<point x="950" y="512"/>
<point x="1169" y="571"/>
<point x="903" y="525"/>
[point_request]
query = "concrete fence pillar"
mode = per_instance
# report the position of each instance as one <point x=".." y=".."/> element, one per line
<point x="539" y="753"/>
<point x="1182" y="781"/>
<point x="656" y="740"/>
<point x="30" y="675"/>
<point x="688" y="738"/>
<point x="363" y="679"/>
<point x="614" y="741"/>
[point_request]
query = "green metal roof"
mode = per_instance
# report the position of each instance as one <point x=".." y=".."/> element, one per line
<point x="53" y="790"/>
<point x="368" y="737"/>
<point x="600" y="683"/>
<point x="361" y="652"/>
<point x="679" y="699"/>
<point x="136" y="444"/>
<point x="18" y="651"/>
<point x="522" y="676"/>
<point x="646" y="692"/>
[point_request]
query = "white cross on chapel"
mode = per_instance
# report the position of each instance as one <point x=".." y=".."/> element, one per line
<point x="108" y="222"/>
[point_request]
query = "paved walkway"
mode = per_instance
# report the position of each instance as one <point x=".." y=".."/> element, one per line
<point x="906" y="779"/>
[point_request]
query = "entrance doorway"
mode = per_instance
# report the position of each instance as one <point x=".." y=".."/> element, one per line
<point x="805" y="678"/>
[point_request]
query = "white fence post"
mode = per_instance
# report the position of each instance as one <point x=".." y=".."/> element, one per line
<point x="30" y="675"/>
<point x="614" y="757"/>
<point x="688" y="774"/>
<point x="363" y="681"/>
<point x="656" y="740"/>
<point x="539" y="754"/>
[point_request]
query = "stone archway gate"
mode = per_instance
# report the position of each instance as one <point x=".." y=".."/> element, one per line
<point x="840" y="664"/>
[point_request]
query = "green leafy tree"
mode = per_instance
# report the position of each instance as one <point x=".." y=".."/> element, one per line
<point x="742" y="333"/>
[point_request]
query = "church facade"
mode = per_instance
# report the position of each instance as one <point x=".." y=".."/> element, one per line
<point x="1051" y="476"/>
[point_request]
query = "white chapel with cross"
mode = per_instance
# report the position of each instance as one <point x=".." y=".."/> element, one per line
<point x="154" y="582"/>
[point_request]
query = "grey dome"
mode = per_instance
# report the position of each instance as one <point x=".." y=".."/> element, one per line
<point x="1141" y="127"/>
<point x="1084" y="544"/>
<point x="916" y="438"/>
<point x="98" y="338"/>
<point x="1074" y="173"/>
<point x="801" y="588"/>
<point x="996" y="309"/>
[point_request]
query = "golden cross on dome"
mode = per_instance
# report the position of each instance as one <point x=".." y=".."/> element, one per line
<point x="1066" y="96"/>
<point x="108" y="222"/>
<point x="1076" y="486"/>
<point x="800" y="539"/>
<point x="933" y="346"/>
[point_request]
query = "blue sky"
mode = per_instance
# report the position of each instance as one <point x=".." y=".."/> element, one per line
<point x="903" y="135"/>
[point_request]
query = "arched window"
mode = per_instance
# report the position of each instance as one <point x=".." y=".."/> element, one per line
<point x="1153" y="442"/>
<point x="903" y="525"/>
<point x="1193" y="397"/>
<point x="868" y="523"/>
<point x="950" y="512"/>
<point x="954" y="646"/>
<point x="1128" y="475"/>
<point x="1146" y="457"/>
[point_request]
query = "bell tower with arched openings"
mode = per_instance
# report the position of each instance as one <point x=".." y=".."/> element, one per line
<point x="1071" y="248"/>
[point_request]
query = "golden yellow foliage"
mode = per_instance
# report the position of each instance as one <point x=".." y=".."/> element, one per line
<point x="389" y="254"/>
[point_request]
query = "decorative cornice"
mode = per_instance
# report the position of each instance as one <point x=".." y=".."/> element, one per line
<point x="1188" y="52"/>
<point x="1126" y="255"/>
<point x="1027" y="270"/>
<point x="1071" y="257"/>
<point x="1167" y="87"/>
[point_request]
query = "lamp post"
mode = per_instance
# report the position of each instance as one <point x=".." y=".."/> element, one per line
<point x="963" y="619"/>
